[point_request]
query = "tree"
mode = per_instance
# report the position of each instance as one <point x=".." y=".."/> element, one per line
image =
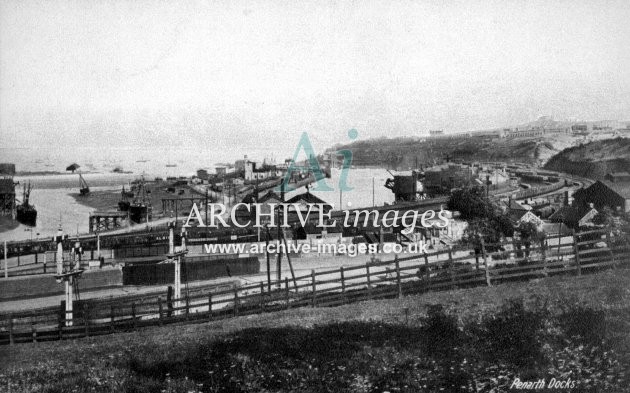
<point x="605" y="217"/>
<point x="471" y="203"/>
<point x="483" y="217"/>
<point x="529" y="234"/>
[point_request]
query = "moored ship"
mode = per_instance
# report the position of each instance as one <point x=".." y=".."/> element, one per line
<point x="140" y="209"/>
<point x="123" y="204"/>
<point x="25" y="212"/>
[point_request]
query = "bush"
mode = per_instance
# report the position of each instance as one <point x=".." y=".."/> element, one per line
<point x="513" y="335"/>
<point x="583" y="324"/>
<point x="440" y="330"/>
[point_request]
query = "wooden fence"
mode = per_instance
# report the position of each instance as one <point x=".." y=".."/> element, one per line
<point x="581" y="253"/>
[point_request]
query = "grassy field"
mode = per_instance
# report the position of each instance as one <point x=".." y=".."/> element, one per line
<point x="573" y="329"/>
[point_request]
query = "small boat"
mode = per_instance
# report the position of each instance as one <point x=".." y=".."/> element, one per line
<point x="26" y="213"/>
<point x="85" y="189"/>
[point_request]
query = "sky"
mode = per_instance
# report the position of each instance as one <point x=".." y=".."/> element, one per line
<point x="239" y="74"/>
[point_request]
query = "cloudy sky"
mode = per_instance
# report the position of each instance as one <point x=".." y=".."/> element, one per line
<point x="247" y="72"/>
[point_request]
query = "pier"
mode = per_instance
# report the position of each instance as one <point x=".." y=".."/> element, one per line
<point x="103" y="221"/>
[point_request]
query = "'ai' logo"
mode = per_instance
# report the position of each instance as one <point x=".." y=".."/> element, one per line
<point x="314" y="168"/>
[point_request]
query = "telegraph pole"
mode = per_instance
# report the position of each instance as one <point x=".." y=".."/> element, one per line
<point x="267" y="254"/>
<point x="69" y="277"/>
<point x="279" y="261"/>
<point x="175" y="256"/>
<point x="373" y="204"/>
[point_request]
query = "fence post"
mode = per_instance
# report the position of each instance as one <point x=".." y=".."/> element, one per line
<point x="343" y="284"/>
<point x="369" y="280"/>
<point x="262" y="297"/>
<point x="286" y="292"/>
<point x="543" y="251"/>
<point x="133" y="314"/>
<point x="235" y="301"/>
<point x="86" y="321"/>
<point x="62" y="317"/>
<point x="612" y="254"/>
<point x="450" y="267"/>
<point x="33" y="332"/>
<point x="398" y="285"/>
<point x="427" y="272"/>
<point x="314" y="289"/>
<point x="187" y="306"/>
<point x="210" y="306"/>
<point x="485" y="262"/>
<point x="111" y="318"/>
<point x="10" y="329"/>
<point x="159" y="300"/>
<point x="576" y="250"/>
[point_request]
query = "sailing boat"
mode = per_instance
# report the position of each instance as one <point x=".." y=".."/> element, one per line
<point x="85" y="189"/>
<point x="26" y="213"/>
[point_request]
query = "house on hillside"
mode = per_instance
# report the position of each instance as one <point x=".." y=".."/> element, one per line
<point x="618" y="177"/>
<point x="575" y="217"/>
<point x="445" y="177"/>
<point x="253" y="172"/>
<point x="519" y="217"/>
<point x="605" y="193"/>
<point x="304" y="203"/>
<point x="552" y="229"/>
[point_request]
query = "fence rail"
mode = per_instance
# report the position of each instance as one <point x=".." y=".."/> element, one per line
<point x="581" y="253"/>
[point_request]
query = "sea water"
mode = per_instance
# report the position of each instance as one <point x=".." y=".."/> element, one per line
<point x="52" y="196"/>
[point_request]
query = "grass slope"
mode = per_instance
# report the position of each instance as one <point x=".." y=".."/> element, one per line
<point x="402" y="153"/>
<point x="477" y="339"/>
<point x="593" y="160"/>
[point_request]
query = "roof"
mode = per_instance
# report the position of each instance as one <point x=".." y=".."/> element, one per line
<point x="306" y="197"/>
<point x="515" y="205"/>
<point x="623" y="189"/>
<point x="269" y="196"/>
<point x="516" y="215"/>
<point x="251" y="197"/>
<point x="570" y="215"/>
<point x="552" y="228"/>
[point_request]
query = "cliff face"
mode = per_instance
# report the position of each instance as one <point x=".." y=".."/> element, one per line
<point x="593" y="160"/>
<point x="403" y="153"/>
